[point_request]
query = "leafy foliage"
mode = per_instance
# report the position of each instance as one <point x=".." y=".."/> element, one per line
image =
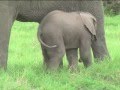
<point x="113" y="8"/>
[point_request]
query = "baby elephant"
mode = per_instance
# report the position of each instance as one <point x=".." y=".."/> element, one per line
<point x="64" y="32"/>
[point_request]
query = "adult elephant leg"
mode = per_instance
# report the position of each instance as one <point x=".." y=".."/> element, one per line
<point x="72" y="57"/>
<point x="99" y="47"/>
<point x="61" y="64"/>
<point x="6" y="21"/>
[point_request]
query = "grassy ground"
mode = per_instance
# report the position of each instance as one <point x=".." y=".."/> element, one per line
<point x="25" y="70"/>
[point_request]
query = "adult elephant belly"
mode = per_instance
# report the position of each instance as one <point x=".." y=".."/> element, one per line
<point x="30" y="16"/>
<point x="35" y="11"/>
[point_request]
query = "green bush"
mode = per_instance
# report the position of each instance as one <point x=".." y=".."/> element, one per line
<point x="113" y="9"/>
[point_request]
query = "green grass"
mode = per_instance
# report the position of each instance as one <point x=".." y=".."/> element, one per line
<point x="25" y="70"/>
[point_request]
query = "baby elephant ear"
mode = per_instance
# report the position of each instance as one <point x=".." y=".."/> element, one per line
<point x="89" y="21"/>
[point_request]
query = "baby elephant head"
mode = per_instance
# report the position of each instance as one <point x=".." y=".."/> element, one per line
<point x="90" y="23"/>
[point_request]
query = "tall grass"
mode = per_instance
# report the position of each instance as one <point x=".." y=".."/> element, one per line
<point x="25" y="70"/>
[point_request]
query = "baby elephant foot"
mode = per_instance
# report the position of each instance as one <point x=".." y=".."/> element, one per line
<point x="53" y="64"/>
<point x="87" y="63"/>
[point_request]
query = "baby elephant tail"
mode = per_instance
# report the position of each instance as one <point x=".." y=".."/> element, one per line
<point x="47" y="46"/>
<point x="44" y="44"/>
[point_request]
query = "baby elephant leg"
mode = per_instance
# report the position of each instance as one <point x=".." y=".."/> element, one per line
<point x="85" y="52"/>
<point x="72" y="57"/>
<point x="55" y="58"/>
<point x="45" y="56"/>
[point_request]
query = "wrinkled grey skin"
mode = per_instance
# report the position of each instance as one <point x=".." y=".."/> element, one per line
<point x="62" y="32"/>
<point x="34" y="11"/>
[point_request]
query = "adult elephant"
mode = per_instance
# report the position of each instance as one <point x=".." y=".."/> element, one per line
<point x="34" y="11"/>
